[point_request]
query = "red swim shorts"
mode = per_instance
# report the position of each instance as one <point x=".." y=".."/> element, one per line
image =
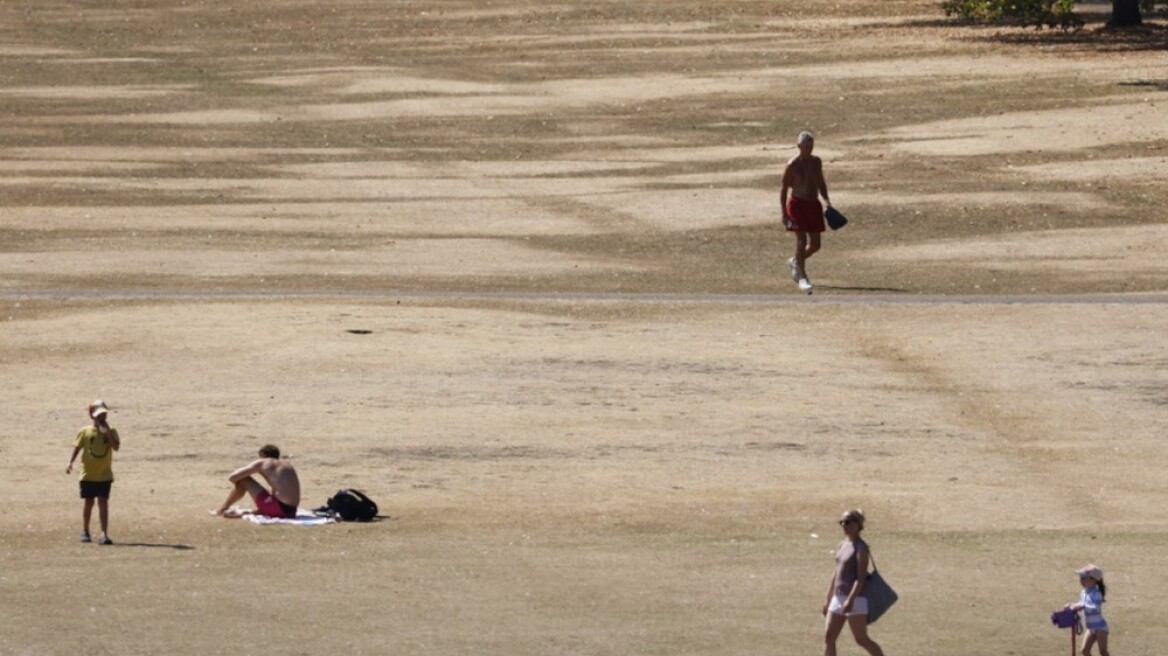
<point x="270" y="506"/>
<point x="806" y="215"/>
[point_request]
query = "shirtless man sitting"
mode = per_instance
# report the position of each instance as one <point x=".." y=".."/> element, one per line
<point x="280" y="502"/>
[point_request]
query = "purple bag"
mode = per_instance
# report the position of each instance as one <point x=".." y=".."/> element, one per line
<point x="1064" y="619"/>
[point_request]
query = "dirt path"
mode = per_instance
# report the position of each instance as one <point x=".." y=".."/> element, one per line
<point x="823" y="294"/>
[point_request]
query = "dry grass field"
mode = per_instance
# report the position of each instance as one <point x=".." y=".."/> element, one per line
<point x="514" y="269"/>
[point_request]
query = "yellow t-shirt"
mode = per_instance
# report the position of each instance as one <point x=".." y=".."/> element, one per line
<point x="97" y="454"/>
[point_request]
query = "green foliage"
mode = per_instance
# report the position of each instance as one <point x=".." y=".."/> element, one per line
<point x="1051" y="13"/>
<point x="1149" y="7"/>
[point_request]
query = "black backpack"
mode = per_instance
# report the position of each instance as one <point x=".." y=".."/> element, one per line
<point x="351" y="506"/>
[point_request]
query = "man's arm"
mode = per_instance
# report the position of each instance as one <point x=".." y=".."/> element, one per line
<point x="785" y="186"/>
<point x="245" y="471"/>
<point x="114" y="440"/>
<point x="822" y="183"/>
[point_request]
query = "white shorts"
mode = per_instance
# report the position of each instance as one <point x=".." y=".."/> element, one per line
<point x="859" y="605"/>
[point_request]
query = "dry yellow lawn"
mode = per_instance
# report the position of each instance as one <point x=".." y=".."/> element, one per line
<point x="514" y="269"/>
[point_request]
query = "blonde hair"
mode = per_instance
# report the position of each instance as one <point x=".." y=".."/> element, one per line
<point x="856" y="515"/>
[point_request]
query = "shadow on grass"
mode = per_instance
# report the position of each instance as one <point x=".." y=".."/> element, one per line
<point x="1144" y="38"/>
<point x="1095" y="35"/>
<point x="177" y="547"/>
<point x="880" y="290"/>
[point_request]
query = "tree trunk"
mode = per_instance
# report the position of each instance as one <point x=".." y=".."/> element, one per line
<point x="1125" y="13"/>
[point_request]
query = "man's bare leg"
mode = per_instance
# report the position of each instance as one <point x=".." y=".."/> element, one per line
<point x="806" y="245"/>
<point x="236" y="493"/>
<point x="801" y="252"/>
<point x="242" y="488"/>
<point x="813" y="244"/>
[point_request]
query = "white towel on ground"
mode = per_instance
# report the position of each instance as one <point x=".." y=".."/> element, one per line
<point x="302" y="518"/>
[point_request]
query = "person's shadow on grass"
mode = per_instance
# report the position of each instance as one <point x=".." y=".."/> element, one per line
<point x="848" y="288"/>
<point x="177" y="547"/>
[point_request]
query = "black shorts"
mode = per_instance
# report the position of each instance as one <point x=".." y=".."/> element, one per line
<point x="95" y="490"/>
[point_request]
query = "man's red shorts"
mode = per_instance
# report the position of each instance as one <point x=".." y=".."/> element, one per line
<point x="806" y="215"/>
<point x="270" y="506"/>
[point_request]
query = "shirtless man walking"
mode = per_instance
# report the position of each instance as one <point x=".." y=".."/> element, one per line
<point x="802" y="212"/>
<point x="280" y="502"/>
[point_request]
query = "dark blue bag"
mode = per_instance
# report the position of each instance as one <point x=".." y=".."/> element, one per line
<point x="835" y="220"/>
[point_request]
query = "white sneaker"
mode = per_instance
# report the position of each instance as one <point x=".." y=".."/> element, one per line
<point x="796" y="274"/>
<point x="805" y="285"/>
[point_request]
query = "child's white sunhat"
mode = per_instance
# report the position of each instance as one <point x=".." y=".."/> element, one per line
<point x="1090" y="571"/>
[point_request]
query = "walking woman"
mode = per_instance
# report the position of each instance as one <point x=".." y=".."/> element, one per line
<point x="846" y="602"/>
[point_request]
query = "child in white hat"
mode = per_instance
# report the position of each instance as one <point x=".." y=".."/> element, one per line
<point x="1091" y="599"/>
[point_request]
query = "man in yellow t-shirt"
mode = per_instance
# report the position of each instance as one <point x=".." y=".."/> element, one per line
<point x="96" y="444"/>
